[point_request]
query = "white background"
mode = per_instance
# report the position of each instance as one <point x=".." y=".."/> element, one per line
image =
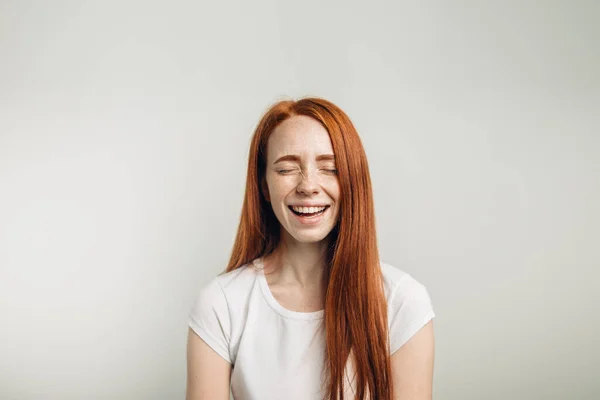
<point x="124" y="135"/>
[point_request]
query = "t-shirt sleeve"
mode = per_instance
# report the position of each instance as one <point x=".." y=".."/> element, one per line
<point x="209" y="317"/>
<point x="410" y="309"/>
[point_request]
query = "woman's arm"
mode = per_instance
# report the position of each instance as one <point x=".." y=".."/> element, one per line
<point x="412" y="366"/>
<point x="208" y="374"/>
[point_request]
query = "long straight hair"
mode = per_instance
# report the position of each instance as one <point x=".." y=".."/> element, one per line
<point x="355" y="305"/>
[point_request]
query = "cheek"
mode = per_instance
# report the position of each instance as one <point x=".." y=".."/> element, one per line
<point x="334" y="190"/>
<point x="337" y="188"/>
<point x="279" y="188"/>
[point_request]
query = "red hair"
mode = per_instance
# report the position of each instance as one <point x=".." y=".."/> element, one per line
<point x="355" y="305"/>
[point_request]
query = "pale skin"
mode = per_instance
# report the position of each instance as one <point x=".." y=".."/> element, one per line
<point x="295" y="270"/>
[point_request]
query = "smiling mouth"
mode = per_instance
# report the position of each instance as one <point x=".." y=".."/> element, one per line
<point x="308" y="214"/>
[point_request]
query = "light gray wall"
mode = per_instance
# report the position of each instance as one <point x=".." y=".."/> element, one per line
<point x="124" y="131"/>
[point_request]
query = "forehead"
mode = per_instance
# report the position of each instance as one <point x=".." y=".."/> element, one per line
<point x="300" y="135"/>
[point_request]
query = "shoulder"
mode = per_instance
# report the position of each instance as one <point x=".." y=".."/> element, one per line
<point x="397" y="282"/>
<point x="219" y="308"/>
<point x="227" y="287"/>
<point x="409" y="305"/>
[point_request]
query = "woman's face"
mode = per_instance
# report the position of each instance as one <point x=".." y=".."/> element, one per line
<point x="301" y="172"/>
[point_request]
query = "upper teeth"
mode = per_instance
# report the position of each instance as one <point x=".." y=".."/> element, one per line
<point x="308" y="210"/>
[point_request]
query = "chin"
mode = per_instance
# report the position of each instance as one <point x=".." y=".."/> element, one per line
<point x="311" y="238"/>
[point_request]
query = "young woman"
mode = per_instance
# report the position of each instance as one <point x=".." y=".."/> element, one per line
<point x="305" y="309"/>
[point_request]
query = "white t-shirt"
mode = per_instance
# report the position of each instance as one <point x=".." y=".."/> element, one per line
<point x="277" y="353"/>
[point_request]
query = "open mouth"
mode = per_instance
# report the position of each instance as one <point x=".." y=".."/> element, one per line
<point x="318" y="212"/>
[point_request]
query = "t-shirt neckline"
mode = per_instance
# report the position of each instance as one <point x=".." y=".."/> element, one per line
<point x="270" y="299"/>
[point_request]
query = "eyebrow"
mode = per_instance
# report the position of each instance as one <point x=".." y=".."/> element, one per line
<point x="293" y="157"/>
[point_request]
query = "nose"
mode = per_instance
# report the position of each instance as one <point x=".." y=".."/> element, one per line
<point x="308" y="184"/>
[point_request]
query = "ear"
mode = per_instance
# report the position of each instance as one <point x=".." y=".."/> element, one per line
<point x="265" y="188"/>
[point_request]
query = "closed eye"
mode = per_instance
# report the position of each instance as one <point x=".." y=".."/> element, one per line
<point x="285" y="171"/>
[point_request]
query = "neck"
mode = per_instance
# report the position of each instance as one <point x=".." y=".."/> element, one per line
<point x="299" y="264"/>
